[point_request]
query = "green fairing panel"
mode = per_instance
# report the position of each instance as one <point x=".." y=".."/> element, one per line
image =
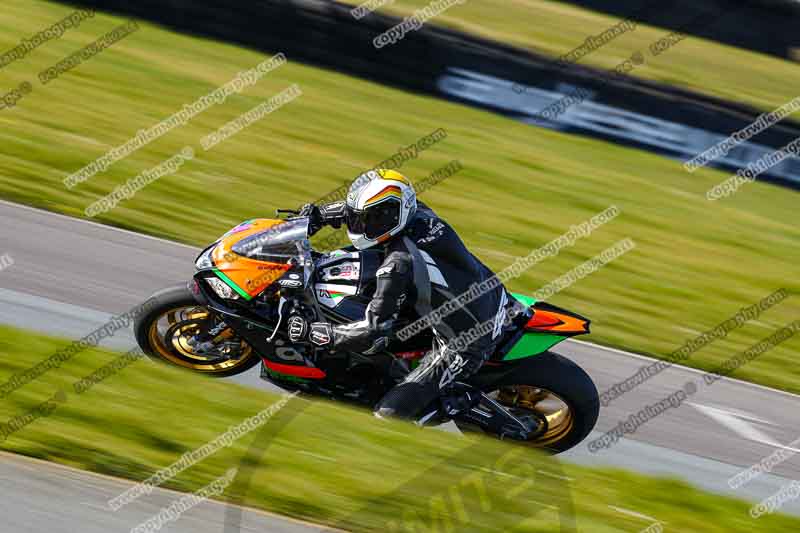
<point x="232" y="284"/>
<point x="527" y="300"/>
<point x="531" y="343"/>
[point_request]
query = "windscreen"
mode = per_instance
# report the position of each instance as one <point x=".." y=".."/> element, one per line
<point x="277" y="244"/>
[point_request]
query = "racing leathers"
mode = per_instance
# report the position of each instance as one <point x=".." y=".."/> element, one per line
<point x="426" y="268"/>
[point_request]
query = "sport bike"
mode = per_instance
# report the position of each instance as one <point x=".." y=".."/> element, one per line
<point x="233" y="314"/>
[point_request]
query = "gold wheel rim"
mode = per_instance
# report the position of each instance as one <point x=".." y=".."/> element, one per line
<point x="547" y="404"/>
<point x="182" y="323"/>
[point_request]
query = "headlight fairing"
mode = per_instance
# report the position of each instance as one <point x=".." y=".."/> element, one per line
<point x="204" y="261"/>
<point x="222" y="289"/>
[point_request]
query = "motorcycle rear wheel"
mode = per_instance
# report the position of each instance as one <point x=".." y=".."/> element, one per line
<point x="550" y="387"/>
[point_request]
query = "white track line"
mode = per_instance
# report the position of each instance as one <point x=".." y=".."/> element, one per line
<point x="96" y="224"/>
<point x="690" y="369"/>
<point x="556" y="476"/>
<point x="85" y="474"/>
<point x="317" y="456"/>
<point x="633" y="513"/>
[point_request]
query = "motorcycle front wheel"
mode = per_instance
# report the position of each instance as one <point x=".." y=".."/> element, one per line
<point x="177" y="330"/>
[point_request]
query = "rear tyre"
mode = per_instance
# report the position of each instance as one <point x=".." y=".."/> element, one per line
<point x="166" y="333"/>
<point x="555" y="388"/>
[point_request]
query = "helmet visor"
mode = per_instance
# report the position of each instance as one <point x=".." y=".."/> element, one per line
<point x="374" y="221"/>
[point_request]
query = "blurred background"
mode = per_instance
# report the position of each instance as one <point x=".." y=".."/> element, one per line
<point x="554" y="110"/>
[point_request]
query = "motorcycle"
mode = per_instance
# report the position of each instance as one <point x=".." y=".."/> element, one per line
<point x="233" y="314"/>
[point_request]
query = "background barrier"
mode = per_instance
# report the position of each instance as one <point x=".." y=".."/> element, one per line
<point x="511" y="81"/>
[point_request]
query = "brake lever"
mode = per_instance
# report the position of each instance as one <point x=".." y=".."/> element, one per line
<point x="281" y="303"/>
<point x="279" y="212"/>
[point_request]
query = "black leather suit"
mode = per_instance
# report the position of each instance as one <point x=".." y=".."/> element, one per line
<point x="425" y="267"/>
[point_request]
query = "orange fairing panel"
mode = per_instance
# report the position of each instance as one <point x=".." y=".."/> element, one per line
<point x="245" y="229"/>
<point x="554" y="320"/>
<point x="250" y="276"/>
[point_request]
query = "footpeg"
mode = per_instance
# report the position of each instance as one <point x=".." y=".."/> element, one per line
<point x="460" y="399"/>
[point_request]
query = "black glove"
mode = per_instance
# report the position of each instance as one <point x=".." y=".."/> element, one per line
<point x="319" y="333"/>
<point x="297" y="328"/>
<point x="333" y="214"/>
<point x="315" y="220"/>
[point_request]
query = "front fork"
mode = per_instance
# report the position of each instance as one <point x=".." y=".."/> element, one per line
<point x="208" y="342"/>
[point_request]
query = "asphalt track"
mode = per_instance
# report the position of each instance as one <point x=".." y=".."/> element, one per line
<point x="40" y="496"/>
<point x="69" y="276"/>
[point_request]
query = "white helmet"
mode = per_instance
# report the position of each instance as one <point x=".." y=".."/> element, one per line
<point x="379" y="205"/>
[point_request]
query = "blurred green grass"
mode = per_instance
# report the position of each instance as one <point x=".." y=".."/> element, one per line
<point x="554" y="28"/>
<point x="329" y="463"/>
<point x="696" y="262"/>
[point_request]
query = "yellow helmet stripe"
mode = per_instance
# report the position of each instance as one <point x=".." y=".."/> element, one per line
<point x="393" y="175"/>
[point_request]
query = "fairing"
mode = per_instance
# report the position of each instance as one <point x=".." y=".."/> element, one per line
<point x="548" y="326"/>
<point x="255" y="254"/>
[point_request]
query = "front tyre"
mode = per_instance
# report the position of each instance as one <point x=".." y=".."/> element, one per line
<point x="553" y="388"/>
<point x="179" y="331"/>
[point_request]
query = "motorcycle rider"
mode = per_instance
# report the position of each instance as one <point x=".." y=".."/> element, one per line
<point x="426" y="265"/>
